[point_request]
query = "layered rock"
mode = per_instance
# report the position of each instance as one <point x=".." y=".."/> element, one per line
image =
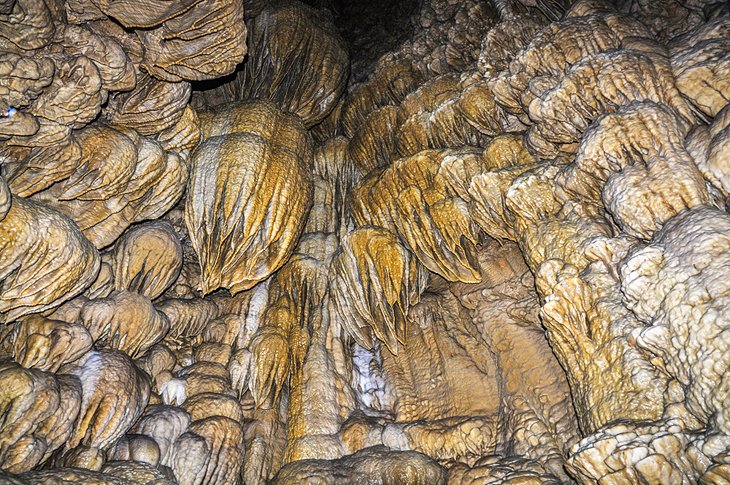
<point x="486" y="246"/>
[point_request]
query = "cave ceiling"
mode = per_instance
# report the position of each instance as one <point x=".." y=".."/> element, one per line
<point x="332" y="242"/>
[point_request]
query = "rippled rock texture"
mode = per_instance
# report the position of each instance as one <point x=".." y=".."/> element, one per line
<point x="419" y="242"/>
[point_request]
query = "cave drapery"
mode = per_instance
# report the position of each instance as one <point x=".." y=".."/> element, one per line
<point x="345" y="242"/>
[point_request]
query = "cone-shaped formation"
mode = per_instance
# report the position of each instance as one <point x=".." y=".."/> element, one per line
<point x="412" y="199"/>
<point x="248" y="195"/>
<point x="374" y="281"/>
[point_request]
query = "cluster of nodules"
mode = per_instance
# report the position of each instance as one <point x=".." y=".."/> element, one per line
<point x="500" y="257"/>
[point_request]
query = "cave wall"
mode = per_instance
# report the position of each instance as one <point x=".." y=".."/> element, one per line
<point x="418" y="242"/>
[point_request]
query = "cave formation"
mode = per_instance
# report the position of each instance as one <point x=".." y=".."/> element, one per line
<point x="364" y="242"/>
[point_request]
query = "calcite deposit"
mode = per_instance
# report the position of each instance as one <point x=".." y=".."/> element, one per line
<point x="417" y="242"/>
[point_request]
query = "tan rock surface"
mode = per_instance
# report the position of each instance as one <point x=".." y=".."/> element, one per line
<point x="333" y="242"/>
<point x="239" y="246"/>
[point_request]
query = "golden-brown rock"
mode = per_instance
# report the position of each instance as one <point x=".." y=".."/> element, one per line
<point x="444" y="127"/>
<point x="28" y="130"/>
<point x="671" y="18"/>
<point x="158" y="359"/>
<point x="506" y="157"/>
<point x="23" y="79"/>
<point x="58" y="428"/>
<point x="335" y="169"/>
<point x="271" y="359"/>
<point x="371" y="465"/>
<point x="503" y="42"/>
<point x="46" y="344"/>
<point x="239" y="367"/>
<point x="25" y="25"/>
<point x="38" y="413"/>
<point x="588" y="327"/>
<point x="601" y="83"/>
<point x="115" y="69"/>
<point x="374" y="281"/>
<point x="113" y="473"/>
<point x="493" y="470"/>
<point x="246" y="232"/>
<point x="120" y="178"/>
<point x="411" y="198"/>
<point x="329" y="127"/>
<point x="151" y="107"/>
<point x="538" y="421"/>
<point x="216" y="352"/>
<point x="209" y="452"/>
<point x="477" y="107"/>
<point x="565" y="241"/>
<point x="188" y="317"/>
<point x="114" y="394"/>
<point x="184" y="47"/>
<point x="710" y="148"/>
<point x="717" y="473"/>
<point x="373" y="144"/>
<point x="147" y="259"/>
<point x="636" y="162"/>
<point x="230" y="330"/>
<point x="448" y="409"/>
<point x="135" y="447"/>
<point x="126" y="321"/>
<point x="701" y="64"/>
<point x="102" y="25"/>
<point x="389" y="84"/>
<point x="589" y="146"/>
<point x="75" y="95"/>
<point x="207" y="404"/>
<point x="18" y="124"/>
<point x="431" y="94"/>
<point x="471" y="397"/>
<point x="657" y="452"/>
<point x="450" y="35"/>
<point x="297" y="307"/>
<point x="44" y="258"/>
<point x="102" y="286"/>
<point x="558" y="47"/>
<point x="183" y="136"/>
<point x="447" y="111"/>
<point x="164" y="424"/>
<point x="582" y="8"/>
<point x="32" y="170"/>
<point x="487" y="206"/>
<point x="287" y="38"/>
<point x="108" y="159"/>
<point x="145" y="14"/>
